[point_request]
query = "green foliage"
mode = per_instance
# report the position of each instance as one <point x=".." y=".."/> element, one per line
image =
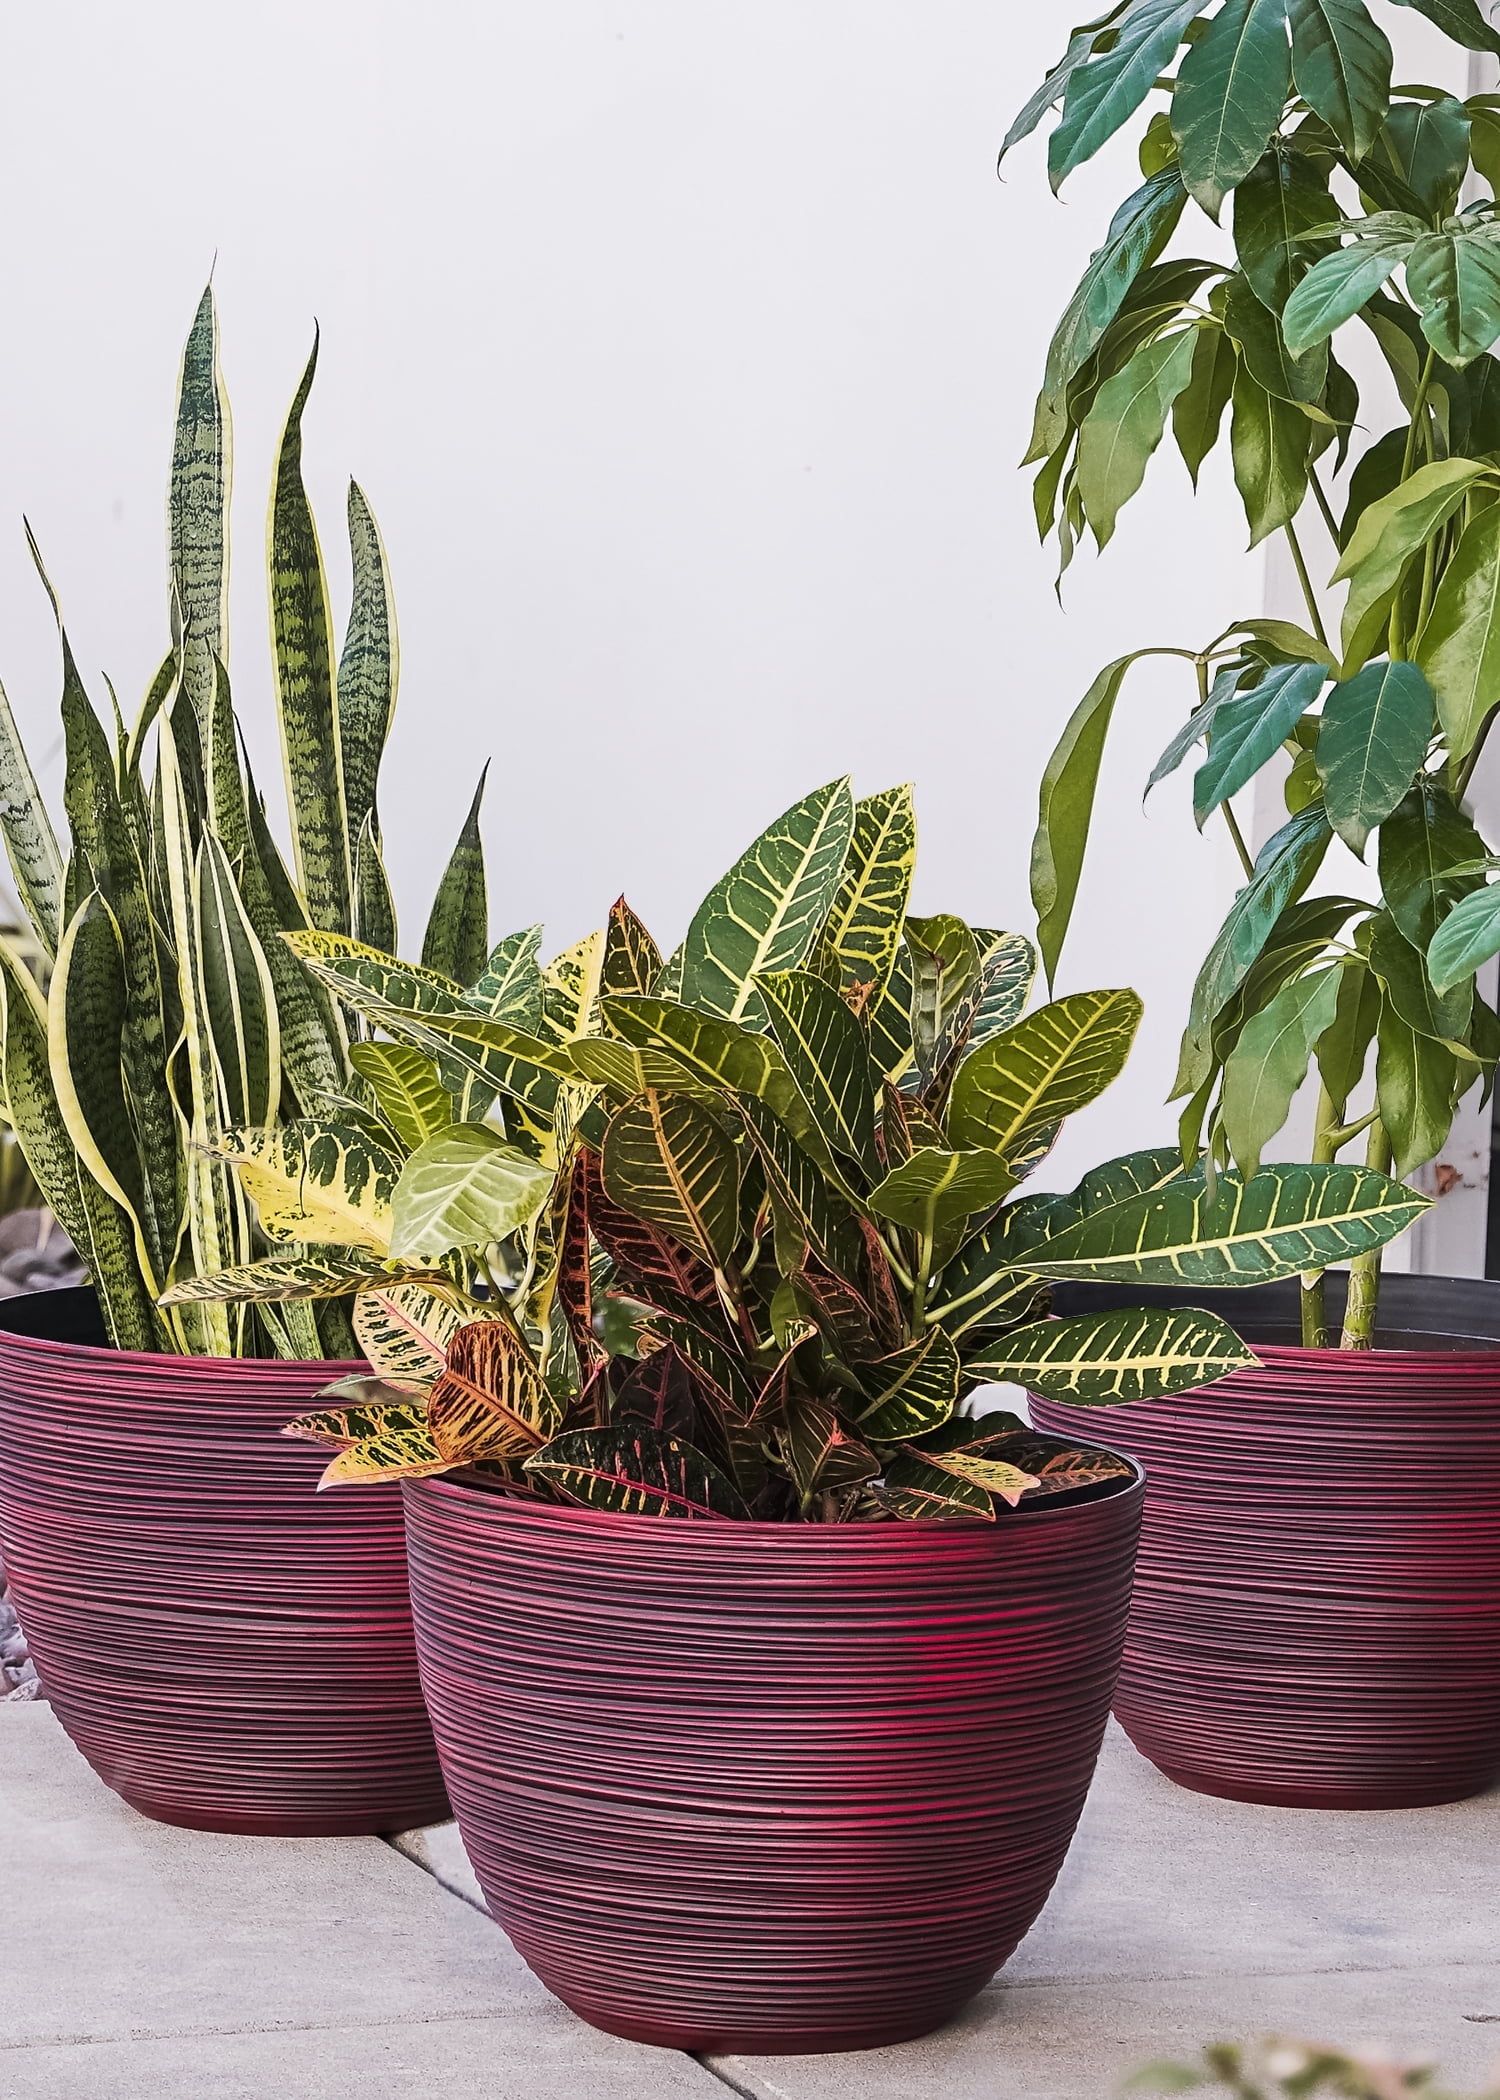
<point x="1344" y="198"/>
<point x="756" y="1242"/>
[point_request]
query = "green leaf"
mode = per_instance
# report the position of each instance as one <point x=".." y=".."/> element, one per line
<point x="1466" y="939"/>
<point x="1427" y="146"/>
<point x="1335" y="289"/>
<point x="1341" y="63"/>
<point x="239" y="997"/>
<point x="1394" y="528"/>
<point x="935" y="1193"/>
<point x="30" y="843"/>
<point x="1069" y="785"/>
<point x="824" y="1048"/>
<point x="1106" y="1359"/>
<point x="914" y="1486"/>
<point x="768" y="911"/>
<point x="405" y="1083"/>
<point x="1375" y="731"/>
<point x="869" y="909"/>
<point x="1125" y="426"/>
<point x="668" y="1162"/>
<point x="509" y="987"/>
<point x="1343" y="1049"/>
<point x="1248" y="728"/>
<point x="1018" y="1085"/>
<point x="1287" y="1219"/>
<point x="1284" y="867"/>
<point x="1454" y="280"/>
<point x="637" y="1472"/>
<point x="1138" y="232"/>
<point x="368" y="665"/>
<point x="1230" y="90"/>
<point x="374" y="906"/>
<point x="319" y="1273"/>
<point x="1443" y="1017"/>
<point x="1268" y="1064"/>
<point x="1414" y="1089"/>
<point x="1257" y="333"/>
<point x="465" y="1187"/>
<point x="306" y="699"/>
<point x="198" y="508"/>
<point x="315" y="1179"/>
<point x="1268" y="442"/>
<point x="1430" y="856"/>
<point x="804" y="1190"/>
<point x="1459" y="19"/>
<point x="458" y="932"/>
<point x="1459" y="648"/>
<point x="632" y="960"/>
<point x="1050" y="92"/>
<point x="1198" y="411"/>
<point x="911" y="1391"/>
<point x="720" y="1052"/>
<point x="1111" y="85"/>
<point x="1281" y="212"/>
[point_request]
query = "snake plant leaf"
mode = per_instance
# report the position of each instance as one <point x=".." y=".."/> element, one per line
<point x="1289" y="1218"/>
<point x="1415" y="1086"/>
<point x="397" y="1454"/>
<point x="1249" y="728"/>
<point x="1268" y="1064"/>
<point x="669" y="1162"/>
<point x="1109" y="86"/>
<point x="315" y="1180"/>
<point x="198" y="509"/>
<point x="30" y="843"/>
<point x="632" y="960"/>
<point x="1125" y="425"/>
<point x="86" y="1018"/>
<point x="1374" y="737"/>
<point x="911" y="1391"/>
<point x="1268" y="443"/>
<point x="1069" y="784"/>
<point x="997" y="1476"/>
<point x="465" y="1187"/>
<point x="1050" y="1065"/>
<point x="307" y="699"/>
<point x="239" y="996"/>
<point x="766" y="914"/>
<point x="322" y="1272"/>
<point x="458" y="930"/>
<point x="369" y="666"/>
<point x="1284" y="867"/>
<point x="405" y="1083"/>
<point x="1231" y="86"/>
<point x="719" y="1052"/>
<point x="396" y="1412"/>
<point x="509" y="987"/>
<point x="1459" y="647"/>
<point x="864" y="925"/>
<point x="1430" y="857"/>
<point x="636" y="1471"/>
<point x="489" y="1400"/>
<point x="1341" y="64"/>
<point x="1454" y="280"/>
<point x="1282" y="210"/>
<point x="374" y="910"/>
<point x="571" y="986"/>
<point x="824" y="1048"/>
<point x="404" y="1330"/>
<point x="935" y="1193"/>
<point x="914" y="1486"/>
<point x="1466" y="939"/>
<point x="1459" y="19"/>
<point x="1442" y="1017"/>
<point x="806" y="1191"/>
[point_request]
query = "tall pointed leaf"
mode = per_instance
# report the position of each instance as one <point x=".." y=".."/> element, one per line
<point x="864" y="924"/>
<point x="374" y="913"/>
<point x="240" y="997"/>
<point x="198" y="509"/>
<point x="458" y="931"/>
<point x="1341" y="62"/>
<point x="1230" y="90"/>
<point x="632" y="960"/>
<point x="824" y="1047"/>
<point x="1069" y="784"/>
<point x="30" y="844"/>
<point x="369" y="665"/>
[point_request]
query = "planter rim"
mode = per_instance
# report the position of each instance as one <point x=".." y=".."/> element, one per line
<point x="829" y="1538"/>
<point x="64" y="1303"/>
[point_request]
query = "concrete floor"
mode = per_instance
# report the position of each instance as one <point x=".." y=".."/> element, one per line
<point x="140" y="1963"/>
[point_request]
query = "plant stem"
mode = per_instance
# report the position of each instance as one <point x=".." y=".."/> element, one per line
<point x="1200" y="668"/>
<point x="1364" y="1270"/>
<point x="1418" y="411"/>
<point x="1310" y="596"/>
<point x="1313" y="1302"/>
<point x="1324" y="507"/>
<point x="919" y="1285"/>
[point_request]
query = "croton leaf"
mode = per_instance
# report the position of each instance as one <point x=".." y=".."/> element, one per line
<point x="636" y="1471"/>
<point x="315" y="1180"/>
<point x="864" y="925"/>
<point x="1053" y="1063"/>
<point x="824" y="1048"/>
<point x="398" y="1454"/>
<point x="405" y="1083"/>
<point x="997" y="1476"/>
<point x="655" y="1391"/>
<point x="343" y="1427"/>
<point x="914" y="1486"/>
<point x="1106" y="1358"/>
<point x="317" y="1273"/>
<point x="669" y="1162"/>
<point x="820" y="1451"/>
<point x="466" y="1187"/>
<point x="712" y="1365"/>
<point x="1056" y="1466"/>
<point x="404" y="1330"/>
<point x="649" y="1263"/>
<point x="912" y="1390"/>
<point x="509" y="987"/>
<point x="807" y="1193"/>
<point x="632" y="960"/>
<point x="935" y="1192"/>
<point x="489" y="1400"/>
<point x="719" y="1052"/>
<point x="572" y="984"/>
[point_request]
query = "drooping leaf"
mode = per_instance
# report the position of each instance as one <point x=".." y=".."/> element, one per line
<point x="724" y="1377"/>
<point x="1109" y="86"/>
<point x="1269" y="1062"/>
<point x="1426" y="145"/>
<point x="1248" y="728"/>
<point x="1454" y="280"/>
<point x="1394" y="528"/>
<point x="489" y="1400"/>
<point x="1230" y="90"/>
<point x="323" y="1272"/>
<point x="1343" y="1049"/>
<point x="1459" y="19"/>
<point x="405" y="1083"/>
<point x="404" y="1330"/>
<point x="458" y="931"/>
<point x="396" y="1454"/>
<point x="648" y="1262"/>
<point x="1050" y="92"/>
<point x="869" y="908"/>
<point x="343" y="1427"/>
<point x="1341" y="63"/>
<point x="979" y="1291"/>
<point x="1105" y="1359"/>
<point x="935" y="1193"/>
<point x="820" y="1452"/>
<point x="1126" y="424"/>
<point x="824" y="1048"/>
<point x="464" y="1187"/>
<point x="669" y="1162"/>
<point x="315" y="1180"/>
<point x="368" y="668"/>
<point x="1459" y="648"/>
<point x="1287" y="1219"/>
<point x="1281" y="209"/>
<point x="913" y="1486"/>
<point x="1443" y="1017"/>
<point x="1466" y="939"/>
<point x="1414" y="1088"/>
<point x="913" y="1390"/>
<point x="767" y="912"/>
<point x="1069" y="784"/>
<point x="1430" y="856"/>
<point x="1198" y="411"/>
<point x="1050" y="1065"/>
<point x="1268" y="442"/>
<point x="997" y="1476"/>
<point x="636" y="1471"/>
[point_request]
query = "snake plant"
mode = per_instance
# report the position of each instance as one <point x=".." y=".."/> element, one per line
<point x="756" y="1212"/>
<point x="174" y="1014"/>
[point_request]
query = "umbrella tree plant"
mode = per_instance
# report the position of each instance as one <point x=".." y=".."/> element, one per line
<point x="780" y="1240"/>
<point x="165" y="1011"/>
<point x="1351" y="208"/>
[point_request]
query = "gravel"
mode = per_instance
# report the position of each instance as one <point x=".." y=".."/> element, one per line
<point x="18" y="1678"/>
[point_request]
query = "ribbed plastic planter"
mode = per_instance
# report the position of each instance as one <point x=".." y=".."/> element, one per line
<point x="228" y="1649"/>
<point x="766" y="1787"/>
<point x="1316" y="1619"/>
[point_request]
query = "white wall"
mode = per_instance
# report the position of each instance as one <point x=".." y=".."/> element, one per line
<point x="686" y="351"/>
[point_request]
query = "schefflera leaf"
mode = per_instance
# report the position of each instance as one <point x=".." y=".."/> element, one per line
<point x="1104" y="1359"/>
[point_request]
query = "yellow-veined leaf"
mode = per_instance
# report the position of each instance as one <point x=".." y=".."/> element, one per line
<point x="465" y="1187"/>
<point x="315" y="1180"/>
<point x="489" y="1400"/>
<point x="1023" y="1082"/>
<point x="1105" y="1358"/>
<point x="637" y="1471"/>
<point x="405" y="1083"/>
<point x="668" y="1162"/>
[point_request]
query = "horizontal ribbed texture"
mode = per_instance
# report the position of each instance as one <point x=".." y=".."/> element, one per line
<point x="766" y="1787"/>
<point x="1316" y="1618"/>
<point x="227" y="1648"/>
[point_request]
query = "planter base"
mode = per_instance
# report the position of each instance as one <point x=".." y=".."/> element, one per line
<point x="1384" y="1799"/>
<point x="278" y="1824"/>
<point x="711" y="2040"/>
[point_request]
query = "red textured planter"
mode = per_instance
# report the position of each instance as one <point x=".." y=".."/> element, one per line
<point x="229" y="1650"/>
<point x="1316" y="1620"/>
<point x="766" y="1787"/>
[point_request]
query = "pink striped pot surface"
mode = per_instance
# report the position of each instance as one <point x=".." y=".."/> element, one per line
<point x="1316" y="1620"/>
<point x="766" y="1787"/>
<point x="228" y="1649"/>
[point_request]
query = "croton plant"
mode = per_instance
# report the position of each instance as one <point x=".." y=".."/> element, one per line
<point x="1347" y="208"/>
<point x="739" y="1232"/>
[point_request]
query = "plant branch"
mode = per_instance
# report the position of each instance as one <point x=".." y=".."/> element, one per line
<point x="1200" y="667"/>
<point x="1310" y="596"/>
<point x="1314" y="1294"/>
<point x="1364" y="1270"/>
<point x="1324" y="507"/>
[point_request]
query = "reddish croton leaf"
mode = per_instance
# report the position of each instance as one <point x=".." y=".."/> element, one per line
<point x="1056" y="1467"/>
<point x="820" y="1452"/>
<point x="881" y="1293"/>
<point x="649" y="1264"/>
<point x="655" y="1391"/>
<point x="638" y="1471"/>
<point x="844" y="1316"/>
<point x="632" y="960"/>
<point x="712" y="1360"/>
<point x="490" y="1400"/>
<point x="575" y="1272"/>
<point x="341" y="1427"/>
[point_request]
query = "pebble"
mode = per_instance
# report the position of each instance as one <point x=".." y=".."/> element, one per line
<point x="18" y="1678"/>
